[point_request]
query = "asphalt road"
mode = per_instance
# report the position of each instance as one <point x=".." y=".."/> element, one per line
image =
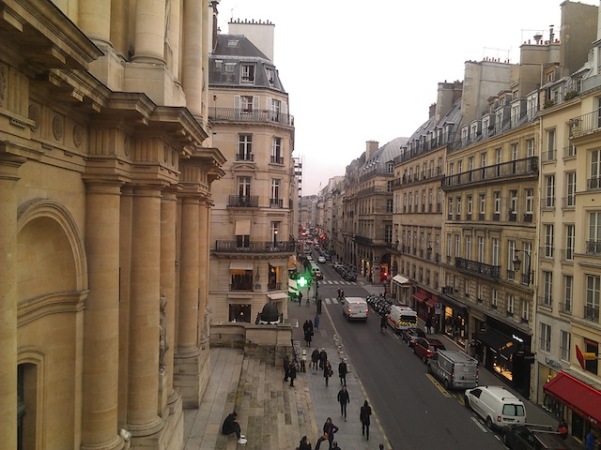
<point x="415" y="411"/>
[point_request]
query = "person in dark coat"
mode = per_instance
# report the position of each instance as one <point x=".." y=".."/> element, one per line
<point x="342" y="371"/>
<point x="315" y="359"/>
<point x="329" y="428"/>
<point x="231" y="425"/>
<point x="327" y="371"/>
<point x="305" y="326"/>
<point x="316" y="321"/>
<point x="365" y="415"/>
<point x="344" y="399"/>
<point x="292" y="372"/>
<point x="304" y="444"/>
<point x="286" y="367"/>
<point x="308" y="337"/>
<point x="320" y="439"/>
<point x="323" y="358"/>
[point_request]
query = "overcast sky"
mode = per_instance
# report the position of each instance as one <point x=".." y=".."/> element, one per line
<point x="358" y="71"/>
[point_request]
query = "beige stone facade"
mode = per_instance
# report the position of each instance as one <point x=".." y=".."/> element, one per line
<point x="106" y="167"/>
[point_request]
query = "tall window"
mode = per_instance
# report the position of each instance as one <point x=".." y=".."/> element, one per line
<point x="549" y="191"/>
<point x="247" y="73"/>
<point x="246" y="103"/>
<point x="568" y="293"/>
<point x="388" y="233"/>
<point x="525" y="310"/>
<point x="550" y="155"/>
<point x="457" y="245"/>
<point x="458" y="208"/>
<point x="481" y="249"/>
<point x="511" y="256"/>
<point x="571" y="189"/>
<point x="593" y="292"/>
<point x="529" y="148"/>
<point x="276" y="108"/>
<point x="564" y="345"/>
<point x="469" y="206"/>
<point x="482" y="204"/>
<point x="549" y="241"/>
<point x="514" y="157"/>
<point x="275" y="188"/>
<point x="513" y="201"/>
<point x="275" y="229"/>
<point x="389" y="205"/>
<point x="468" y="247"/>
<point x="510" y="304"/>
<point x="570" y="237"/>
<point x="594" y="233"/>
<point x="497" y="202"/>
<point x="545" y="337"/>
<point x="547" y="299"/>
<point x="595" y="176"/>
<point x="529" y="201"/>
<point x="449" y="247"/>
<point x="495" y="252"/>
<point x="494" y="298"/>
<point x="527" y="263"/>
<point x="245" y="147"/>
<point x="276" y="151"/>
<point x="244" y="187"/>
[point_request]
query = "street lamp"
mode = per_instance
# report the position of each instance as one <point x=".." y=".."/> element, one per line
<point x="529" y="274"/>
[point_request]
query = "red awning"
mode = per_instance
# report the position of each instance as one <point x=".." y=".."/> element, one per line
<point x="431" y="303"/>
<point x="420" y="296"/>
<point x="579" y="396"/>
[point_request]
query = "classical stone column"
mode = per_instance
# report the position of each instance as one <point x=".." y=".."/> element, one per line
<point x="189" y="287"/>
<point x="144" y="337"/>
<point x="192" y="80"/>
<point x="150" y="26"/>
<point x="203" y="266"/>
<point x="101" y="318"/>
<point x="8" y="299"/>
<point x="168" y="286"/>
<point x="95" y="19"/>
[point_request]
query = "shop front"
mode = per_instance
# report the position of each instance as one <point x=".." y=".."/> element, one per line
<point x="453" y="321"/>
<point x="574" y="399"/>
<point x="505" y="352"/>
<point x="425" y="304"/>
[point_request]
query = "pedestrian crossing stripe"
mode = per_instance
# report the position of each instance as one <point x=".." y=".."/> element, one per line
<point x="332" y="301"/>
<point x="347" y="283"/>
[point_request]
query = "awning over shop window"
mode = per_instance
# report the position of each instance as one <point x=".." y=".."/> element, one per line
<point x="420" y="296"/>
<point x="242" y="227"/>
<point x="498" y="342"/>
<point x="431" y="303"/>
<point x="400" y="279"/>
<point x="576" y="394"/>
<point x="277" y="295"/>
<point x="241" y="265"/>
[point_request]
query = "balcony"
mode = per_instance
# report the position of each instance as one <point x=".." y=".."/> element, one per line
<point x="250" y="116"/>
<point x="593" y="248"/>
<point x="243" y="201"/>
<point x="593" y="184"/>
<point x="565" y="307"/>
<point x="363" y="240"/>
<point x="245" y="157"/>
<point x="478" y="268"/>
<point x="584" y="124"/>
<point x="277" y="159"/>
<point x="521" y="168"/>
<point x="276" y="203"/>
<point x="591" y="313"/>
<point x="242" y="286"/>
<point x="222" y="246"/>
<point x="274" y="286"/>
<point x="549" y="156"/>
<point x="545" y="300"/>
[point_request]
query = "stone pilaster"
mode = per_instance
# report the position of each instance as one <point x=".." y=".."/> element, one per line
<point x="144" y="335"/>
<point x="9" y="168"/>
<point x="193" y="54"/>
<point x="101" y="318"/>
<point x="95" y="19"/>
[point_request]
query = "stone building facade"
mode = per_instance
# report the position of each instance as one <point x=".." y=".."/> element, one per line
<point x="106" y="168"/>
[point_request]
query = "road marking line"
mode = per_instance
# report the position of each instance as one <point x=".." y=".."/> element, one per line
<point x="482" y="427"/>
<point x="439" y="386"/>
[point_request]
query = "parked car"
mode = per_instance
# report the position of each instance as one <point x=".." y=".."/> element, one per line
<point x="410" y="335"/>
<point x="328" y="257"/>
<point x="533" y="437"/>
<point x="350" y="276"/>
<point x="425" y="348"/>
<point x="498" y="407"/>
<point x="321" y="259"/>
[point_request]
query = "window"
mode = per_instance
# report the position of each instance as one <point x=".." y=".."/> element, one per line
<point x="457" y="245"/>
<point x="276" y="151"/>
<point x="482" y="204"/>
<point x="593" y="290"/>
<point x="549" y="238"/>
<point x="389" y="205"/>
<point x="275" y="188"/>
<point x="549" y="191"/>
<point x="595" y="167"/>
<point x="514" y="158"/>
<point x="550" y="154"/>
<point x="593" y="245"/>
<point x="510" y="304"/>
<point x="449" y="248"/>
<point x="270" y="75"/>
<point x="564" y="345"/>
<point x="511" y="256"/>
<point x="495" y="252"/>
<point x="388" y="233"/>
<point x="247" y="73"/>
<point x="545" y="337"/>
<point x="529" y="201"/>
<point x="568" y="293"/>
<point x="547" y="298"/>
<point x="246" y="103"/>
<point x="458" y="209"/>
<point x="468" y="247"/>
<point x="525" y="311"/>
<point x="276" y="108"/>
<point x="529" y="148"/>
<point x="494" y="298"/>
<point x="483" y="160"/>
<point x="497" y="202"/>
<point x="274" y="229"/>
<point x="244" y="187"/>
<point x="430" y="199"/>
<point x="527" y="263"/>
<point x="245" y="147"/>
<point x="450" y="207"/>
<point x="513" y="201"/>
<point x="469" y="206"/>
<point x="570" y="238"/>
<point x="480" y="249"/>
<point x="571" y="189"/>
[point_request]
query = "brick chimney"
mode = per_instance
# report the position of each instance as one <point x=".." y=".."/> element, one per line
<point x="370" y="148"/>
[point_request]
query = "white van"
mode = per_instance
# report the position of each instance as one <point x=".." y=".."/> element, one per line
<point x="401" y="317"/>
<point x="456" y="370"/>
<point x="496" y="405"/>
<point x="354" y="308"/>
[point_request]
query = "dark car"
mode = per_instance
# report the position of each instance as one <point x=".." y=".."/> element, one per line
<point x="410" y="335"/>
<point x="533" y="437"/>
<point x="425" y="348"/>
<point x="350" y="276"/>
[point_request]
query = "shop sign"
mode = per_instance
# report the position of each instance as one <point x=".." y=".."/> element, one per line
<point x="553" y="363"/>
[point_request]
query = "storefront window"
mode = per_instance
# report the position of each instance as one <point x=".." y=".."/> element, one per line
<point x="503" y="365"/>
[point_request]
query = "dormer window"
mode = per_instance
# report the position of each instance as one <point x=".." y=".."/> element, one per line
<point x="247" y="73"/>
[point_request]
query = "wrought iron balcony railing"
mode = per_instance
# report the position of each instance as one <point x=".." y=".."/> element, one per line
<point x="276" y="203"/>
<point x="478" y="268"/>
<point x="243" y="201"/>
<point x="277" y="159"/>
<point x="253" y="247"/>
<point x="250" y="115"/>
<point x="511" y="169"/>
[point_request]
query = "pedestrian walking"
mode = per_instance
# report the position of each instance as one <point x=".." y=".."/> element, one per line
<point x="323" y="358"/>
<point x="327" y="371"/>
<point x="316" y="321"/>
<point x="304" y="444"/>
<point x="320" y="439"/>
<point x="344" y="399"/>
<point x="300" y="298"/>
<point x="311" y="327"/>
<point x="286" y="367"/>
<point x="305" y="326"/>
<point x="315" y="359"/>
<point x="429" y="324"/>
<point x="342" y="371"/>
<point x="292" y="372"/>
<point x="365" y="415"/>
<point x="339" y="296"/>
<point x="308" y="337"/>
<point x="329" y="428"/>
